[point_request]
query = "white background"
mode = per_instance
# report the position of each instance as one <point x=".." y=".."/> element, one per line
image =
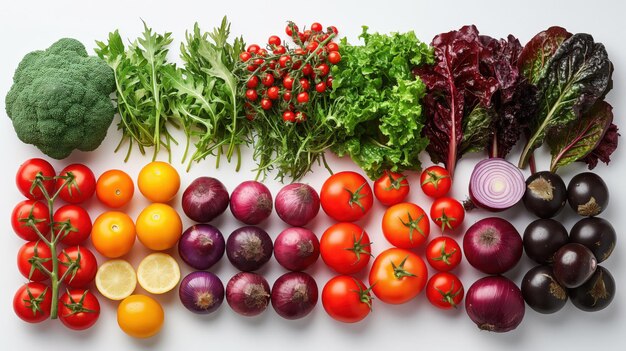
<point x="27" y="25"/>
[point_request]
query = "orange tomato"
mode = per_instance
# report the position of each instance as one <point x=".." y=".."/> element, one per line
<point x="115" y="188"/>
<point x="159" y="227"/>
<point x="406" y="225"/>
<point x="140" y="316"/>
<point x="158" y="181"/>
<point x="397" y="276"/>
<point x="113" y="234"/>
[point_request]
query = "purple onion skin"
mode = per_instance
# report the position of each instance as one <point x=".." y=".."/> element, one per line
<point x="248" y="294"/>
<point x="495" y="304"/>
<point x="294" y="295"/>
<point x="248" y="248"/>
<point x="201" y="292"/>
<point x="205" y="199"/>
<point x="492" y="245"/>
<point x="201" y="246"/>
<point x="297" y="204"/>
<point x="251" y="202"/>
<point x="296" y="248"/>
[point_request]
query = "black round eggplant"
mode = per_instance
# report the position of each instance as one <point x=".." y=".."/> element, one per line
<point x="596" y="293"/>
<point x="545" y="194"/>
<point x="574" y="264"/>
<point x="596" y="234"/>
<point x="542" y="292"/>
<point x="542" y="238"/>
<point x="587" y="194"/>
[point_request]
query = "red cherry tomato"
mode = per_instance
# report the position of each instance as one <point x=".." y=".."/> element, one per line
<point x="435" y="181"/>
<point x="302" y="97"/>
<point x="273" y="93"/>
<point x="443" y="253"/>
<point x="266" y="104"/>
<point x="447" y="213"/>
<point x="81" y="188"/>
<point x="279" y="50"/>
<point x="323" y="69"/>
<point x="332" y="46"/>
<point x="391" y="188"/>
<point x="320" y="87"/>
<point x="346" y="196"/>
<point x="26" y="175"/>
<point x="245" y="56"/>
<point x="444" y="290"/>
<point x="79" y="309"/>
<point x="251" y="95"/>
<point x="300" y="117"/>
<point x="287" y="96"/>
<point x="267" y="80"/>
<point x="31" y="255"/>
<point x="307" y="69"/>
<point x="346" y="299"/>
<point x="316" y="27"/>
<point x="32" y="302"/>
<point x="274" y="40"/>
<point x="289" y="116"/>
<point x="284" y="60"/>
<point x="304" y="83"/>
<point x="78" y="227"/>
<point x="253" y="82"/>
<point x="291" y="28"/>
<point x="35" y="210"/>
<point x="85" y="267"/>
<point x="334" y="57"/>
<point x="253" y="49"/>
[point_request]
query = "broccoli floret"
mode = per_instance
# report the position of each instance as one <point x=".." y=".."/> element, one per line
<point x="60" y="99"/>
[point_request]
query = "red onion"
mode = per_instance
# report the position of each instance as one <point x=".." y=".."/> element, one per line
<point x="204" y="199"/>
<point x="294" y="295"/>
<point x="296" y="248"/>
<point x="248" y="294"/>
<point x="492" y="245"/>
<point x="496" y="185"/>
<point x="201" y="292"/>
<point x="297" y="204"/>
<point x="495" y="304"/>
<point x="201" y="246"/>
<point x="251" y="202"/>
<point x="248" y="248"/>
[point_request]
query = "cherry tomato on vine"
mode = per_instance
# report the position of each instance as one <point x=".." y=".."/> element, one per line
<point x="30" y="256"/>
<point x="444" y="290"/>
<point x="77" y="226"/>
<point x="435" y="181"/>
<point x="299" y="51"/>
<point x="284" y="60"/>
<point x="447" y="213"/>
<point x="302" y="97"/>
<point x="346" y="196"/>
<point x="406" y="225"/>
<point x="245" y="56"/>
<point x="289" y="116"/>
<point x="304" y="83"/>
<point x="262" y="52"/>
<point x="397" y="276"/>
<point x="32" y="302"/>
<point x="251" y="95"/>
<point x="312" y="46"/>
<point x="273" y="93"/>
<point x="307" y="69"/>
<point x="346" y="248"/>
<point x="320" y="87"/>
<point x="266" y="104"/>
<point x="300" y="117"/>
<point x="332" y="46"/>
<point x="253" y="49"/>
<point x="267" y="80"/>
<point x="115" y="188"/>
<point x="291" y="27"/>
<point x="258" y="61"/>
<point x="316" y="27"/>
<point x="390" y="188"/>
<point x="329" y="82"/>
<point x="323" y="69"/>
<point x="278" y="50"/>
<point x="81" y="188"/>
<point x="79" y="309"/>
<point x="253" y="82"/>
<point x="334" y="29"/>
<point x="334" y="57"/>
<point x="288" y="82"/>
<point x="287" y="96"/>
<point x="26" y="175"/>
<point x="85" y="269"/>
<point x="274" y="40"/>
<point x="30" y="209"/>
<point x="346" y="299"/>
<point x="443" y="253"/>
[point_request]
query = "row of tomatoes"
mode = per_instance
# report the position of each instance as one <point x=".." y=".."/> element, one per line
<point x="397" y="274"/>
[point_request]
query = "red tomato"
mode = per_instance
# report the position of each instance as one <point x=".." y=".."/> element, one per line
<point x="444" y="290"/>
<point x="35" y="210"/>
<point x="346" y="299"/>
<point x="267" y="80"/>
<point x="334" y="57"/>
<point x="30" y="253"/>
<point x="397" y="276"/>
<point x="323" y="69"/>
<point x="81" y="188"/>
<point x="391" y="188"/>
<point x="300" y="117"/>
<point x="266" y="104"/>
<point x="245" y="56"/>
<point x="307" y="69"/>
<point x="278" y="50"/>
<point x="78" y="309"/>
<point x="316" y="27"/>
<point x="312" y="46"/>
<point x="447" y="213"/>
<point x="77" y="224"/>
<point x="288" y="82"/>
<point x="85" y="267"/>
<point x="284" y="60"/>
<point x="320" y="87"/>
<point x="291" y="28"/>
<point x="26" y="175"/>
<point x="274" y="40"/>
<point x="304" y="83"/>
<point x="251" y="94"/>
<point x="346" y="196"/>
<point x="273" y="93"/>
<point x="435" y="181"/>
<point x="289" y="116"/>
<point x="252" y="82"/>
<point x="443" y="253"/>
<point x="332" y="47"/>
<point x="32" y="302"/>
<point x="302" y="97"/>
<point x="253" y="49"/>
<point x="406" y="225"/>
<point x="346" y="248"/>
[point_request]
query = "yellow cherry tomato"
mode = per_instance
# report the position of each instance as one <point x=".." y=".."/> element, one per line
<point x="158" y="181"/>
<point x="159" y="227"/>
<point x="140" y="316"/>
<point x="113" y="234"/>
<point x="115" y="188"/>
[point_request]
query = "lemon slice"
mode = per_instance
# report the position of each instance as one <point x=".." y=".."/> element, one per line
<point x="158" y="273"/>
<point x="116" y="279"/>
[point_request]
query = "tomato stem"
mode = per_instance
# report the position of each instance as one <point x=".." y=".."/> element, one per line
<point x="399" y="272"/>
<point x="434" y="178"/>
<point x="413" y="225"/>
<point x="356" y="196"/>
<point x="443" y="256"/>
<point x="446" y="221"/>
<point x="358" y="247"/>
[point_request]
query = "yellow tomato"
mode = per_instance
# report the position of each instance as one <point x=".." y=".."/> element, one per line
<point x="113" y="234"/>
<point x="140" y="316"/>
<point x="159" y="227"/>
<point x="115" y="188"/>
<point x="158" y="181"/>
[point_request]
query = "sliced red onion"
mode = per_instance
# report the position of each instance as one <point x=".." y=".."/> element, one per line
<point x="496" y="184"/>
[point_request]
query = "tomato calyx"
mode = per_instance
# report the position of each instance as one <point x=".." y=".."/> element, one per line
<point x="413" y="225"/>
<point x="358" y="247"/>
<point x="356" y="196"/>
<point x="64" y="228"/>
<point x="364" y="294"/>
<point x="36" y="262"/>
<point x="76" y="306"/>
<point x="443" y="256"/>
<point x="448" y="296"/>
<point x="395" y="184"/>
<point x="34" y="303"/>
<point x="446" y="221"/>
<point x="72" y="266"/>
<point x="399" y="272"/>
<point x="434" y="178"/>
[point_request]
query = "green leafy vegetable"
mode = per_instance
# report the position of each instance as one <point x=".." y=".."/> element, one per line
<point x="380" y="126"/>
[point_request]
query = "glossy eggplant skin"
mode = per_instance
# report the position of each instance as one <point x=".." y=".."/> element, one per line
<point x="542" y="292"/>
<point x="587" y="194"/>
<point x="596" y="293"/>
<point x="545" y="194"/>
<point x="597" y="234"/>
<point x="543" y="238"/>
<point x="574" y="264"/>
